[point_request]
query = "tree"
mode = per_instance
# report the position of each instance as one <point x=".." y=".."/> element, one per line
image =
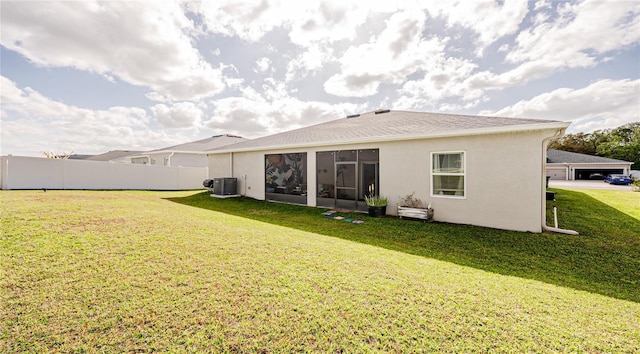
<point x="623" y="144"/>
<point x="53" y="155"/>
<point x="581" y="143"/>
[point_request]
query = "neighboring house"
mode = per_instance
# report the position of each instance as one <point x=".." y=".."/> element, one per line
<point x="565" y="165"/>
<point x="79" y="157"/>
<point x="486" y="171"/>
<point x="122" y="156"/>
<point x="187" y="154"/>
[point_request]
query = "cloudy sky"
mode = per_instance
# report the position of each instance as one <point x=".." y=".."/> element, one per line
<point x="88" y="77"/>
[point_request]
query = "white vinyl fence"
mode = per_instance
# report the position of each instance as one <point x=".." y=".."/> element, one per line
<point x="19" y="172"/>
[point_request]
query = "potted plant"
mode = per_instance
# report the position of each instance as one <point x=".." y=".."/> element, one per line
<point x="377" y="205"/>
<point x="411" y="207"/>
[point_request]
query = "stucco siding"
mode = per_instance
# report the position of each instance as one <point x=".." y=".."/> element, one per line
<point x="404" y="168"/>
<point x="219" y="165"/>
<point x="188" y="160"/>
<point x="248" y="168"/>
<point x="504" y="176"/>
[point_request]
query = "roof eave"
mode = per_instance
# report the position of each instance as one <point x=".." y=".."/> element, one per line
<point x="457" y="133"/>
<point x="592" y="163"/>
<point x="146" y="154"/>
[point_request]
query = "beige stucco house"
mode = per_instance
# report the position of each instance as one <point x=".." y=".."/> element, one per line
<point x="121" y="156"/>
<point x="486" y="171"/>
<point x="187" y="154"/>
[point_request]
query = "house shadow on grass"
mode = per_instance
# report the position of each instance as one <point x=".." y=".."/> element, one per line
<point x="604" y="259"/>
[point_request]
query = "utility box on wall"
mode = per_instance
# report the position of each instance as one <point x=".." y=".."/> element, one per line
<point x="225" y="186"/>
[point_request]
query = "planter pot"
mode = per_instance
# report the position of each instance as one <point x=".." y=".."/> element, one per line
<point x="415" y="213"/>
<point x="377" y="211"/>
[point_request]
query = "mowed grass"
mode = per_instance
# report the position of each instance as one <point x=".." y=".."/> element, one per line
<point x="137" y="272"/>
<point x="623" y="201"/>
<point x="604" y="259"/>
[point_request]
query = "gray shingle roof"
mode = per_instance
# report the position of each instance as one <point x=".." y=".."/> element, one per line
<point x="559" y="156"/>
<point x="79" y="156"/>
<point x="388" y="124"/>
<point x="112" y="155"/>
<point x="204" y="144"/>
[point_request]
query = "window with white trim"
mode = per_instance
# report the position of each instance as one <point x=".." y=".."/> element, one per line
<point x="448" y="174"/>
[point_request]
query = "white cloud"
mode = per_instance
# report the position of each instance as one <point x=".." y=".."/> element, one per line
<point x="155" y="96"/>
<point x="263" y="65"/>
<point x="444" y="79"/>
<point x="315" y="29"/>
<point x="327" y="22"/>
<point x="542" y="4"/>
<point x="569" y="41"/>
<point x="540" y="18"/>
<point x="309" y="62"/>
<point x="598" y="26"/>
<point x="601" y="105"/>
<point x="308" y="22"/>
<point x="503" y="48"/>
<point x="177" y="115"/>
<point x="143" y="43"/>
<point x="389" y="56"/>
<point x="248" y="19"/>
<point x="272" y="110"/>
<point x="397" y="52"/>
<point x="489" y="20"/>
<point x="33" y="123"/>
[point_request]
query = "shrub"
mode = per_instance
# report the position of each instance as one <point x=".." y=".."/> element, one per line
<point x="410" y="201"/>
<point x="376" y="200"/>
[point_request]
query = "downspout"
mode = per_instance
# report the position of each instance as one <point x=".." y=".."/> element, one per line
<point x="545" y="227"/>
<point x="169" y="158"/>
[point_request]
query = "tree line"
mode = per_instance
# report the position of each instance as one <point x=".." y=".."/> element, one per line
<point x="622" y="143"/>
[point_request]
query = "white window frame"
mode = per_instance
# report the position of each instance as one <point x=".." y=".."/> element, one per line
<point x="463" y="174"/>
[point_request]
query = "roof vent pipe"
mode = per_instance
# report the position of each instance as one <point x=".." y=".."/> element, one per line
<point x="380" y="111"/>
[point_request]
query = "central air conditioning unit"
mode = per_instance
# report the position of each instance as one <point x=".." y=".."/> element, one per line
<point x="225" y="186"/>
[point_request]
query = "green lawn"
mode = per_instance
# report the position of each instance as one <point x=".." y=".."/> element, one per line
<point x="628" y="203"/>
<point x="182" y="272"/>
